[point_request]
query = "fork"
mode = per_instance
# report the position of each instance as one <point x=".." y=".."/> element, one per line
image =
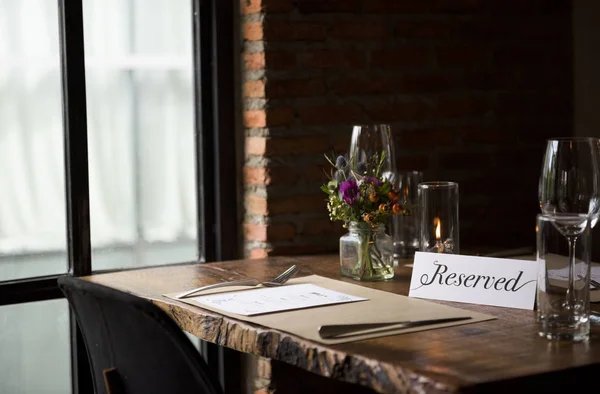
<point x="277" y="281"/>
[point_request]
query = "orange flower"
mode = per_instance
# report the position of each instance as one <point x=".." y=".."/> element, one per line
<point x="383" y="208"/>
<point x="397" y="209"/>
<point x="392" y="195"/>
<point x="373" y="196"/>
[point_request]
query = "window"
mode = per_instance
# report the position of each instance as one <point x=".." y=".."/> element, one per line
<point x="143" y="170"/>
<point x="32" y="209"/>
<point x="140" y="111"/>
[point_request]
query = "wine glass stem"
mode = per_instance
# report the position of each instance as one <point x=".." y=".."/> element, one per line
<point x="571" y="288"/>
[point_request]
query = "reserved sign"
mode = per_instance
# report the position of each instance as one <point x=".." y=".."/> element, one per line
<point x="473" y="279"/>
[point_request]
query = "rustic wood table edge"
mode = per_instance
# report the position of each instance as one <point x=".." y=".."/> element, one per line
<point x="429" y="361"/>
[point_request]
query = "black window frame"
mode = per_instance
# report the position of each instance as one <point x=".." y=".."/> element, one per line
<point x="216" y="163"/>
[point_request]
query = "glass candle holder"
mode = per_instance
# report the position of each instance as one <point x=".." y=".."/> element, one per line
<point x="438" y="210"/>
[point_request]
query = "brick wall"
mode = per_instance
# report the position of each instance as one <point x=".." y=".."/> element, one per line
<point x="471" y="87"/>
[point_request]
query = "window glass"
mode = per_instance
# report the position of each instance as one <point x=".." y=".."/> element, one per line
<point x="141" y="132"/>
<point x="32" y="197"/>
<point x="35" y="348"/>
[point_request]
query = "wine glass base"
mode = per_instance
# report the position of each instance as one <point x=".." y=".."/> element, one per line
<point x="565" y="326"/>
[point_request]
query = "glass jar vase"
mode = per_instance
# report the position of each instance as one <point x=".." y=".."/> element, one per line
<point x="367" y="253"/>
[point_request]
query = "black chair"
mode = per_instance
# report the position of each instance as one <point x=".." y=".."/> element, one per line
<point x="133" y="346"/>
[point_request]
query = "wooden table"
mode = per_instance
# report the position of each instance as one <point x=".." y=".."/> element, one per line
<point x="493" y="356"/>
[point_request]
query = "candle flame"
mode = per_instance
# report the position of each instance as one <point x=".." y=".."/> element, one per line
<point x="438" y="228"/>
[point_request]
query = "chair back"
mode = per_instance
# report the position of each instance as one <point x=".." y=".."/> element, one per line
<point x="133" y="346"/>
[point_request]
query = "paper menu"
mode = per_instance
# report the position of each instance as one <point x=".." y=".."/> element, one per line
<point x="563" y="273"/>
<point x="274" y="299"/>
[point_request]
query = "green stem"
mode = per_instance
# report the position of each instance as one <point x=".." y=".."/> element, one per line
<point x="364" y="265"/>
<point x="377" y="253"/>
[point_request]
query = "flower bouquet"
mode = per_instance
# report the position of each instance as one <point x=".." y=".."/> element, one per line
<point x="364" y="200"/>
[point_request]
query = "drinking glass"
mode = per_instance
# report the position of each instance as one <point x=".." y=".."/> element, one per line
<point x="406" y="227"/>
<point x="569" y="184"/>
<point x="563" y="308"/>
<point x="371" y="141"/>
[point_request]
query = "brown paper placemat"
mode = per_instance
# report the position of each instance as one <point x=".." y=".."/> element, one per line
<point x="381" y="307"/>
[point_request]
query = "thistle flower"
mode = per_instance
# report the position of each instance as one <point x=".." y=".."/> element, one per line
<point x="341" y="162"/>
<point x="361" y="168"/>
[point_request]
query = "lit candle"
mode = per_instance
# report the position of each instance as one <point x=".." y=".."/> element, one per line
<point x="439" y="245"/>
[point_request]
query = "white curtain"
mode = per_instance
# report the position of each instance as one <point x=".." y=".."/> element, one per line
<point x="140" y="123"/>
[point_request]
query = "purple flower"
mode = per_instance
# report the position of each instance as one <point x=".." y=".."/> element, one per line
<point x="349" y="190"/>
<point x="372" y="180"/>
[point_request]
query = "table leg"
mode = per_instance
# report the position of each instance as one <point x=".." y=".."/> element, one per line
<point x="226" y="364"/>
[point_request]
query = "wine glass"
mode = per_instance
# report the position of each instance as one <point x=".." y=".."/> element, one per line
<point x="569" y="189"/>
<point x="369" y="141"/>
